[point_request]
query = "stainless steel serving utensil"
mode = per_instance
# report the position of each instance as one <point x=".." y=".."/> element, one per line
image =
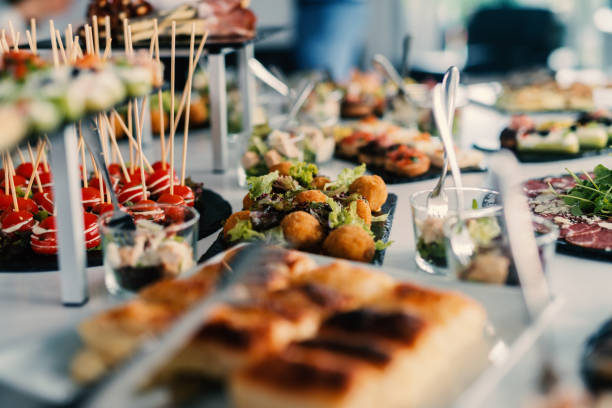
<point x="383" y="65"/>
<point x="437" y="200"/>
<point x="299" y="101"/>
<point x="119" y="387"/>
<point x="460" y="241"/>
<point x="120" y="219"/>
<point x="263" y="74"/>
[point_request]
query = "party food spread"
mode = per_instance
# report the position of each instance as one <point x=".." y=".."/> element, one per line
<point x="578" y="204"/>
<point x="331" y="335"/>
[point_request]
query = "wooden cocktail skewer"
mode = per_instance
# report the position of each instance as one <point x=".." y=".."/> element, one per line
<point x="107" y="36"/>
<point x="172" y="131"/>
<point x="20" y="154"/>
<point x="140" y="153"/>
<point x="162" y="132"/>
<point x="83" y="162"/>
<point x="45" y="162"/>
<point x="61" y="47"/>
<point x="113" y="139"/>
<point x="30" y="41"/>
<point x="182" y="106"/>
<point x="12" y="181"/>
<point x="33" y="32"/>
<point x="3" y="41"/>
<point x="88" y="39"/>
<point x="41" y="147"/>
<point x="16" y="45"/>
<point x="35" y="172"/>
<point x="7" y="173"/>
<point x="128" y="133"/>
<point x="53" y="44"/>
<point x="12" y="31"/>
<point x="130" y="130"/>
<point x="188" y="86"/>
<point x="96" y="38"/>
<point x="69" y="45"/>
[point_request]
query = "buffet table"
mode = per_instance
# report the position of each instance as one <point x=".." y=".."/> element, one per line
<point x="30" y="302"/>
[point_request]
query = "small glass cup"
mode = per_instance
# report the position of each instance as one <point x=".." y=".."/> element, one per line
<point x="429" y="230"/>
<point x="492" y="260"/>
<point x="163" y="245"/>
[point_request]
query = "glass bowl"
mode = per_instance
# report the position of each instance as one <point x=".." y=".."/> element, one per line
<point x="429" y="231"/>
<point x="163" y="245"/>
<point x="492" y="259"/>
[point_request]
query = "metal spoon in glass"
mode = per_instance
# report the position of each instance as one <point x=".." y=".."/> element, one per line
<point x="461" y="242"/>
<point x="437" y="201"/>
<point x="383" y="65"/>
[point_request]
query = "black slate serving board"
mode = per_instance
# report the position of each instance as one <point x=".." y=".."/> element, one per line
<point x="542" y="157"/>
<point x="213" y="211"/>
<point x="392" y="178"/>
<point x="381" y="230"/>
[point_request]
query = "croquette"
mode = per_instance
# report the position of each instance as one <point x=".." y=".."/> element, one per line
<point x="233" y="220"/>
<point x="282" y="168"/>
<point x="247" y="202"/>
<point x="319" y="182"/>
<point x="350" y="242"/>
<point x="310" y="196"/>
<point x="372" y="188"/>
<point x="364" y="212"/>
<point x="302" y="230"/>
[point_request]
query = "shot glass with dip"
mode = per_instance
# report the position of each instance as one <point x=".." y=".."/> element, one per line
<point x="162" y="246"/>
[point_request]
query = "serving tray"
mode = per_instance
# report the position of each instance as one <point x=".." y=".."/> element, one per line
<point x="213" y="211"/>
<point x="381" y="231"/>
<point x="543" y="157"/>
<point x="38" y="366"/>
<point x="393" y="178"/>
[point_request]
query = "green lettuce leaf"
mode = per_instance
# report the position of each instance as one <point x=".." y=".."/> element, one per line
<point x="380" y="245"/>
<point x="340" y="216"/>
<point x="262" y="184"/>
<point x="243" y="231"/>
<point x="345" y="179"/>
<point x="303" y="172"/>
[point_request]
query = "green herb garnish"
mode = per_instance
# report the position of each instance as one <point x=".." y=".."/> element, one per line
<point x="261" y="185"/>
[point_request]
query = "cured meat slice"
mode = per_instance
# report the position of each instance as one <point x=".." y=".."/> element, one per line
<point x="581" y="228"/>
<point x="534" y="187"/>
<point x="563" y="183"/>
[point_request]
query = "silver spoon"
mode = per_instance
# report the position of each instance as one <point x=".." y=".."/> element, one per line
<point x="120" y="219"/>
<point x="405" y="71"/>
<point x="268" y="78"/>
<point x="298" y="103"/>
<point x="461" y="241"/>
<point x="383" y="65"/>
<point x="437" y="201"/>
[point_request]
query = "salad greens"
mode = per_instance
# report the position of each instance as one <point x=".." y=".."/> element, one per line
<point x="261" y="185"/>
<point x="345" y="179"/>
<point x="243" y="231"/>
<point x="303" y="172"/>
<point x="592" y="196"/>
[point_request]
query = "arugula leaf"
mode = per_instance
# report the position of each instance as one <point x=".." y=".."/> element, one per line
<point x="243" y="231"/>
<point x="303" y="172"/>
<point x="345" y="179"/>
<point x="262" y="184"/>
<point x="592" y="196"/>
<point x="41" y="215"/>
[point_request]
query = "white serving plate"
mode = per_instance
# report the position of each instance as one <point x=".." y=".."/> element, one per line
<point x="39" y="366"/>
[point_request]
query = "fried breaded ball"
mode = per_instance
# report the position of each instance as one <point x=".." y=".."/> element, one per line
<point x="350" y="242"/>
<point x="247" y="202"/>
<point x="364" y="212"/>
<point x="310" y="196"/>
<point x="319" y="182"/>
<point x="282" y="168"/>
<point x="372" y="188"/>
<point x="302" y="230"/>
<point x="233" y="220"/>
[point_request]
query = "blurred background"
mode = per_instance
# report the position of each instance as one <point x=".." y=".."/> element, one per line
<point x="479" y="36"/>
